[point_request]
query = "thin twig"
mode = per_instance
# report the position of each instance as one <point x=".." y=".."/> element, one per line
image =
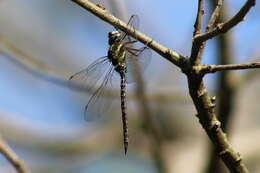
<point x="214" y="68"/>
<point x="224" y="27"/>
<point x="12" y="157"/>
<point x="197" y="49"/>
<point x="226" y="91"/>
<point x="170" y="55"/>
<point x="215" y="15"/>
<point x="198" y="23"/>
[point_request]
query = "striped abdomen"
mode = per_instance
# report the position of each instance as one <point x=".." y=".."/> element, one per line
<point x="123" y="109"/>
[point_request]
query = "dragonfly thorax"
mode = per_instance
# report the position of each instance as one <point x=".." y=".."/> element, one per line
<point x="117" y="55"/>
<point x="114" y="37"/>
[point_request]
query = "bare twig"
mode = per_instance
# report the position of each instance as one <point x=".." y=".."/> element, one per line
<point x="198" y="23"/>
<point x="215" y="15"/>
<point x="224" y="27"/>
<point x="214" y="68"/>
<point x="12" y="157"/>
<point x="199" y="39"/>
<point x="170" y="55"/>
<point x="197" y="49"/>
<point x="225" y="91"/>
<point x="207" y="117"/>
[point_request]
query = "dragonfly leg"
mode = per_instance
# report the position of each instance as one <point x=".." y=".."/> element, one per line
<point x="130" y="42"/>
<point x="135" y="51"/>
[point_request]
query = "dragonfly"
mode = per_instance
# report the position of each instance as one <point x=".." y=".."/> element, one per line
<point x="121" y="59"/>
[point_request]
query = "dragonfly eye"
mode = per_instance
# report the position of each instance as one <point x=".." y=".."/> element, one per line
<point x="110" y="34"/>
<point x="114" y="36"/>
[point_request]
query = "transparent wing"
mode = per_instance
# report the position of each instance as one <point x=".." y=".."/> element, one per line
<point x="134" y="23"/>
<point x="136" y="58"/>
<point x="102" y="99"/>
<point x="87" y="78"/>
<point x="96" y="80"/>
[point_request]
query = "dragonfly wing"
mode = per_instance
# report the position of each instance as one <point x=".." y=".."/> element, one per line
<point x="88" y="78"/>
<point x="136" y="58"/>
<point x="102" y="99"/>
<point x="134" y="23"/>
<point x="95" y="80"/>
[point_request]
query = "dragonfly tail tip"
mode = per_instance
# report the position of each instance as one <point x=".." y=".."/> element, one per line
<point x="126" y="148"/>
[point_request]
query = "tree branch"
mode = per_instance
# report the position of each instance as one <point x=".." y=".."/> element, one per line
<point x="12" y="157"/>
<point x="205" y="105"/>
<point x="198" y="23"/>
<point x="170" y="55"/>
<point x="224" y="27"/>
<point x="197" y="49"/>
<point x="214" y="68"/>
<point x="225" y="91"/>
<point x="215" y="15"/>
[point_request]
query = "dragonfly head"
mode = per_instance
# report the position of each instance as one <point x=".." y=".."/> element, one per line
<point x="113" y="37"/>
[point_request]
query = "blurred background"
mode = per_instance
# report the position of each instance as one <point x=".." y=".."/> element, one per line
<point x="44" y="42"/>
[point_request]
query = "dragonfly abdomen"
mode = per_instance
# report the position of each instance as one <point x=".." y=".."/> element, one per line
<point x="123" y="109"/>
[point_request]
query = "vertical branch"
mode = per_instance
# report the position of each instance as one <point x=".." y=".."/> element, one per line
<point x="12" y="157"/>
<point x="215" y="15"/>
<point x="197" y="47"/>
<point x="225" y="90"/>
<point x="206" y="113"/>
<point x="198" y="22"/>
